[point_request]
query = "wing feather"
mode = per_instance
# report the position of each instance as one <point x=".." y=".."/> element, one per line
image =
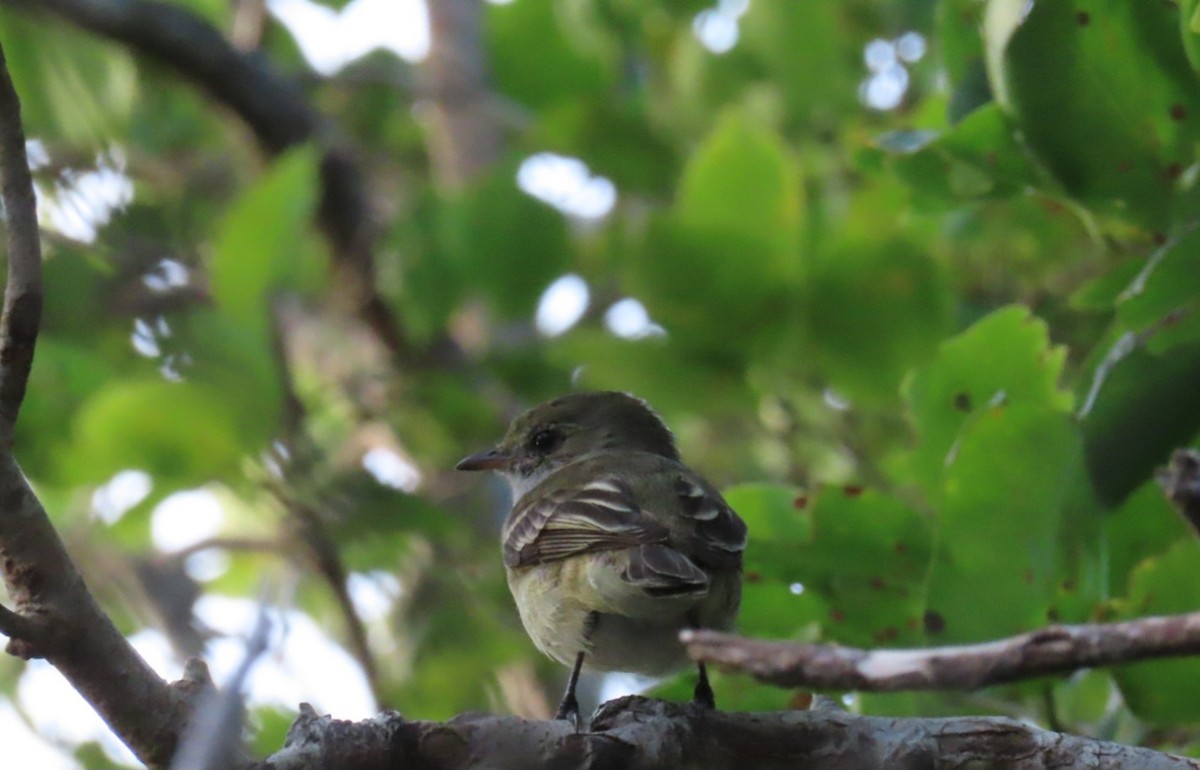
<point x="601" y="516"/>
<point x="607" y="503"/>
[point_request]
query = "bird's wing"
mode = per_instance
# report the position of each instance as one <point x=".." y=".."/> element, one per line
<point x="662" y="571"/>
<point x="601" y="515"/>
<point x="712" y="533"/>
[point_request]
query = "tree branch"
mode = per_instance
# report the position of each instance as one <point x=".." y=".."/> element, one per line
<point x="23" y="292"/>
<point x="56" y="616"/>
<point x="1051" y="650"/>
<point x="274" y="107"/>
<point x="639" y="734"/>
<point x="463" y="135"/>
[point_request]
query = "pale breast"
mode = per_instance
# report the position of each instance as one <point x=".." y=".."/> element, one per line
<point x="555" y="599"/>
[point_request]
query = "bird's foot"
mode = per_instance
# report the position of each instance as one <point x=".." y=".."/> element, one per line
<point x="568" y="709"/>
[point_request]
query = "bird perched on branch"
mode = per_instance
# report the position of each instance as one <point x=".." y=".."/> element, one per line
<point x="613" y="545"/>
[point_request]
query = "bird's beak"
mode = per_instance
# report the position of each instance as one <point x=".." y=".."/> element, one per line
<point x="489" y="460"/>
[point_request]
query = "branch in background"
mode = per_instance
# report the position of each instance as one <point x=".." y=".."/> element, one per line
<point x="463" y="135"/>
<point x="639" y="734"/>
<point x="56" y="617"/>
<point x="275" y="109"/>
<point x="318" y="549"/>
<point x="1051" y="650"/>
<point x="214" y="738"/>
<point x="1180" y="481"/>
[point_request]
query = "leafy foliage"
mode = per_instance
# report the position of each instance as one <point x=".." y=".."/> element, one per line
<point x="934" y="350"/>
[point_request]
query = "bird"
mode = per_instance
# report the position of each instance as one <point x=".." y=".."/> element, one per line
<point x="613" y="545"/>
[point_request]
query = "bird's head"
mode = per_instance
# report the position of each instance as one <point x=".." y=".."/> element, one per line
<point x="568" y="428"/>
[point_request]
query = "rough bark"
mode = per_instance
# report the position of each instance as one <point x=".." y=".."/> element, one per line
<point x="639" y="734"/>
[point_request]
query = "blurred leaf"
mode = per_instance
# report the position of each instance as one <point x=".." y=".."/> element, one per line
<point x="1141" y="406"/>
<point x="72" y="86"/>
<point x="1163" y="300"/>
<point x="1189" y="29"/>
<point x="731" y="242"/>
<point x="615" y="143"/>
<point x="978" y="157"/>
<point x="265" y="243"/>
<point x="1160" y="692"/>
<point x="507" y="245"/>
<point x="269" y="727"/>
<point x="1084" y="696"/>
<point x="533" y="62"/>
<point x="742" y="181"/>
<point x="1103" y="292"/>
<point x="236" y="359"/>
<point x="181" y="433"/>
<point x="733" y="692"/>
<point x="603" y="361"/>
<point x="775" y="515"/>
<point x="63" y="377"/>
<point x="875" y="311"/>
<point x="797" y="46"/>
<point x="1143" y="527"/>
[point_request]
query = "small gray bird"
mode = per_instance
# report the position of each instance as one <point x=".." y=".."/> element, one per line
<point x="613" y="544"/>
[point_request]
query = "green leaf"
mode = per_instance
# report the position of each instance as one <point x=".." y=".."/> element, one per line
<point x="237" y="360"/>
<point x="1140" y="406"/>
<point x="73" y="86"/>
<point x="265" y="242"/>
<point x="721" y="269"/>
<point x="1103" y="292"/>
<point x="1007" y="483"/>
<point x="875" y="311"/>
<point x="504" y="244"/>
<point x="181" y="433"/>
<point x="602" y="361"/>
<point x="774" y="515"/>
<point x="851" y="559"/>
<point x="1005" y="358"/>
<point x="62" y="378"/>
<point x="1163" y="692"/>
<point x="1103" y="94"/>
<point x="978" y="157"/>
<point x="533" y="61"/>
<point x="797" y="45"/>
<point x="1189" y="30"/>
<point x="1143" y="527"/>
<point x="1162" y="301"/>
<point x="742" y="180"/>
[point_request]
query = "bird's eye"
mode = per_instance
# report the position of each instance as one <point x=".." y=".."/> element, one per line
<point x="545" y="441"/>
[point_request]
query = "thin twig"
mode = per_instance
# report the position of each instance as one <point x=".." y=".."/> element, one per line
<point x="274" y="107"/>
<point x="1051" y="650"/>
<point x="226" y="543"/>
<point x="214" y="737"/>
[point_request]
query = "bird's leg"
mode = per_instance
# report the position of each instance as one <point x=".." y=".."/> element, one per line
<point x="703" y="694"/>
<point x="568" y="707"/>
